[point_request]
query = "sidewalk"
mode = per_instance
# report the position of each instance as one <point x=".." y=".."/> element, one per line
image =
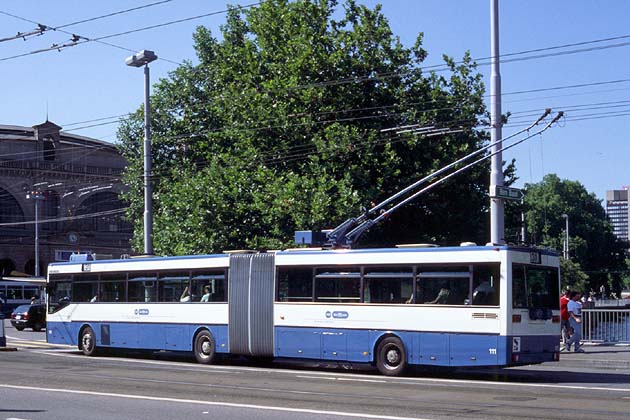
<point x="598" y="356"/>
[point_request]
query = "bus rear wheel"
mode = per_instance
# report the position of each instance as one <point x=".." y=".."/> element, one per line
<point x="391" y="358"/>
<point x="204" y="347"/>
<point x="88" y="342"/>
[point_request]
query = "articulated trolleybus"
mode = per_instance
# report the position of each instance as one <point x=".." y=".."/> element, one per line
<point x="450" y="306"/>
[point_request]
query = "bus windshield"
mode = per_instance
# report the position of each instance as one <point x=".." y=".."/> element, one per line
<point x="535" y="287"/>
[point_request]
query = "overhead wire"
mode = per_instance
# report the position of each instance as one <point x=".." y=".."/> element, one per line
<point x="79" y="39"/>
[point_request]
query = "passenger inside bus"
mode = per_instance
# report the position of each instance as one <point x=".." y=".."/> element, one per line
<point x="206" y="294"/>
<point x="442" y="297"/>
<point x="185" y="297"/>
<point x="484" y="294"/>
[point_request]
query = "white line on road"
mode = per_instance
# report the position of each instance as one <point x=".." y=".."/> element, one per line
<point x="380" y="381"/>
<point x="212" y="403"/>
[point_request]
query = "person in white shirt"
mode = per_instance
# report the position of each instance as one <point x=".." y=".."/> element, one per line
<point x="574" y="307"/>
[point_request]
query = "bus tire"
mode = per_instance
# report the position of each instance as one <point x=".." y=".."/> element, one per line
<point x="87" y="342"/>
<point x="391" y="357"/>
<point x="204" y="347"/>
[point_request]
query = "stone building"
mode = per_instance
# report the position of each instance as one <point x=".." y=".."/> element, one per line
<point x="73" y="181"/>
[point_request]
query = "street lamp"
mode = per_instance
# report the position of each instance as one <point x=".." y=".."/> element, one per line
<point x="143" y="58"/>
<point x="565" y="250"/>
<point x="37" y="196"/>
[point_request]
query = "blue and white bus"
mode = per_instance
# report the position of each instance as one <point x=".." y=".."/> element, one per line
<point x="435" y="306"/>
<point x="16" y="291"/>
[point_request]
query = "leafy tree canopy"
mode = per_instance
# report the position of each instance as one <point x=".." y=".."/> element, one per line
<point x="279" y="128"/>
<point x="597" y="256"/>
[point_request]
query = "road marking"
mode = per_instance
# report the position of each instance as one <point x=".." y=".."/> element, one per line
<point x="22" y="343"/>
<point x="380" y="381"/>
<point x="212" y="403"/>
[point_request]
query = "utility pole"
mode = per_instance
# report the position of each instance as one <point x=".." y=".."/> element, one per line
<point x="37" y="196"/>
<point x="565" y="248"/>
<point x="497" y="220"/>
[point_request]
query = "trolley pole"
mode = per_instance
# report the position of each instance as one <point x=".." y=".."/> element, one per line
<point x="497" y="220"/>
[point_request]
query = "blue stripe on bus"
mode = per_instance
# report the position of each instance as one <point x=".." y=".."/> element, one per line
<point x="175" y="337"/>
<point x="423" y="348"/>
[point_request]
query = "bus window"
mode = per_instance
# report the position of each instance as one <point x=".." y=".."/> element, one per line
<point x="535" y="287"/>
<point x="59" y="291"/>
<point x="15" y="292"/>
<point x="31" y="291"/>
<point x="338" y="286"/>
<point x="388" y="285"/>
<point x="519" y="292"/>
<point x="208" y="286"/>
<point x="486" y="284"/>
<point x="295" y="285"/>
<point x="141" y="287"/>
<point x="85" y="287"/>
<point x="175" y="287"/>
<point x="113" y="288"/>
<point x="448" y="286"/>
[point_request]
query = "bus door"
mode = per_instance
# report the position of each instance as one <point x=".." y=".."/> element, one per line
<point x="250" y="300"/>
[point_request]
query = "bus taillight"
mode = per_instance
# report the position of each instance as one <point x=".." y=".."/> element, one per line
<point x="555" y="319"/>
<point x="516" y="317"/>
<point x="515" y="358"/>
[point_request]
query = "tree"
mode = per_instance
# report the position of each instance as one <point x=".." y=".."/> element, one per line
<point x="279" y="128"/>
<point x="597" y="256"/>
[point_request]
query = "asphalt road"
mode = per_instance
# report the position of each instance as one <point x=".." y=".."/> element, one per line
<point x="50" y="382"/>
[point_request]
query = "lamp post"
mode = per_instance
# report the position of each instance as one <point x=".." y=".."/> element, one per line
<point x="37" y="196"/>
<point x="140" y="59"/>
<point x="565" y="250"/>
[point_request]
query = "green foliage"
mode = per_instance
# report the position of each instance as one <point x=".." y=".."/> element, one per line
<point x="278" y="128"/>
<point x="598" y="256"/>
<point x="572" y="276"/>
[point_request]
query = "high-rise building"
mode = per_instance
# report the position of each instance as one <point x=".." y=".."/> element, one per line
<point x="618" y="210"/>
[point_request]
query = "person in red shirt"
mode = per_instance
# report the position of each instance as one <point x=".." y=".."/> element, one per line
<point x="564" y="318"/>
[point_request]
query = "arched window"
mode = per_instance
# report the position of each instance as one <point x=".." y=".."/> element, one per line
<point x="6" y="266"/>
<point x="99" y="203"/>
<point x="10" y="210"/>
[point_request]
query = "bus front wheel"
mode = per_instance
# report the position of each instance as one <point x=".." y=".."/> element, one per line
<point x="88" y="341"/>
<point x="204" y="347"/>
<point x="391" y="358"/>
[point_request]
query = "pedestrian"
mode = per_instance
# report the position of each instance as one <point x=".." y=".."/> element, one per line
<point x="574" y="307"/>
<point x="565" y="326"/>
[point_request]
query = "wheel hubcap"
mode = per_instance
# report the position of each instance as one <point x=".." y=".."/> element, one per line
<point x="87" y="341"/>
<point x="393" y="357"/>
<point x="206" y="348"/>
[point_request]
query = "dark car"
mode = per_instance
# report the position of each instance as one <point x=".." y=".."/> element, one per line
<point x="29" y="316"/>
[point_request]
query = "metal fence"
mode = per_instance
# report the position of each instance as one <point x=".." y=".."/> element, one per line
<point x="606" y="325"/>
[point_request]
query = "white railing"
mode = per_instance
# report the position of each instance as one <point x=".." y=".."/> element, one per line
<point x="606" y="325"/>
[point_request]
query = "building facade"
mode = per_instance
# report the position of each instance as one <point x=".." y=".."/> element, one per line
<point x="73" y="182"/>
<point x="617" y="208"/>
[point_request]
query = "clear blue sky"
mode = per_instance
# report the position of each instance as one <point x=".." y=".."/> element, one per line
<point x="91" y="81"/>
